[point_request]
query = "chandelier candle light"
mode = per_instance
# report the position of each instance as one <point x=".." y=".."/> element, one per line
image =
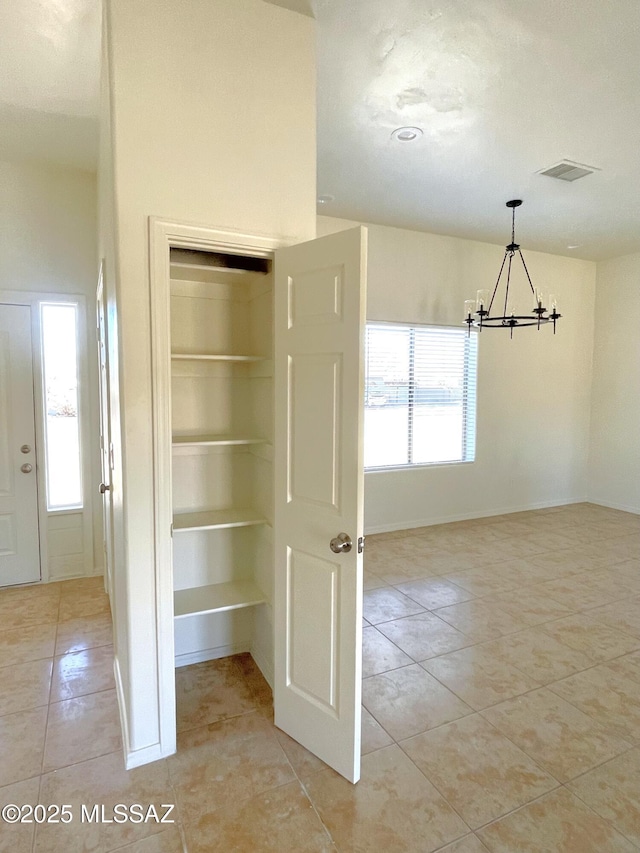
<point x="478" y="312"/>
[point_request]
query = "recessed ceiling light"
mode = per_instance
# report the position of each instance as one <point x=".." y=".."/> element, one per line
<point x="325" y="199"/>
<point x="406" y="134"/>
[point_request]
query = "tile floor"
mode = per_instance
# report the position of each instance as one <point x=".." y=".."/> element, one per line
<point x="501" y="694"/>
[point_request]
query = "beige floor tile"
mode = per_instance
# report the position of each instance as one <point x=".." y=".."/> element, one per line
<point x="103" y="781"/>
<point x="424" y="636"/>
<point x="530" y="606"/>
<point x="254" y="679"/>
<point x="483" y="581"/>
<point x="480" y="620"/>
<point x="539" y="655"/>
<point x="209" y="692"/>
<point x="79" y="673"/>
<point x="168" y="841"/>
<point x="608" y="697"/>
<point x="478" y="770"/>
<point x="18" y="837"/>
<point x="558" y="823"/>
<point x="409" y="700"/>
<point x="585" y="634"/>
<point x="623" y="616"/>
<point x="569" y="562"/>
<point x="304" y="763"/>
<point x="373" y="735"/>
<point x="579" y="592"/>
<point x="371" y="581"/>
<point x="31" y="642"/>
<point x="392" y="808"/>
<point x="379" y="654"/>
<point x="21" y="607"/>
<point x="613" y="791"/>
<point x="87" y="632"/>
<point x="479" y="677"/>
<point x="434" y="592"/>
<point x="559" y="737"/>
<point x="21" y="745"/>
<point x="468" y="844"/>
<point x="82" y="728"/>
<point x="86" y="601"/>
<point x="24" y="686"/>
<point x="383" y="605"/>
<point x="275" y="821"/>
<point x="220" y="764"/>
<point x="627" y="665"/>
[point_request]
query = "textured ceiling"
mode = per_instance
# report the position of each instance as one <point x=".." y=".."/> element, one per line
<point x="500" y="89"/>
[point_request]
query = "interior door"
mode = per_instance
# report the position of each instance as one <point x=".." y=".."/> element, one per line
<point x="319" y="382"/>
<point x="105" y="435"/>
<point x="19" y="535"/>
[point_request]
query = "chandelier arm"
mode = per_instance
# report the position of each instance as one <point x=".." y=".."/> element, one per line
<point x="495" y="289"/>
<point x="527" y="272"/>
<point x="506" y="292"/>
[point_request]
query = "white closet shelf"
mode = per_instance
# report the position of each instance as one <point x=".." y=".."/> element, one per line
<point x="188" y="356"/>
<point x="205" y="440"/>
<point x="215" y="598"/>
<point x="185" y="266"/>
<point x="216" y="519"/>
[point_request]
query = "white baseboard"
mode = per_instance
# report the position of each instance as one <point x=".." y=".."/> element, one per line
<point x="622" y="507"/>
<point x="445" y="519"/>
<point x="264" y="664"/>
<point x="137" y="757"/>
<point x="211" y="654"/>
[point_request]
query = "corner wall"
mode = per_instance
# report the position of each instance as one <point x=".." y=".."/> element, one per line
<point x="213" y="123"/>
<point x="614" y="457"/>
<point x="533" y="391"/>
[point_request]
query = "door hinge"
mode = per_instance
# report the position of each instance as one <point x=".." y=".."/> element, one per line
<point x="360" y="544"/>
<point x="171" y="530"/>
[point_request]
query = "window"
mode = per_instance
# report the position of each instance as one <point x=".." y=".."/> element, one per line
<point x="62" y="430"/>
<point x="420" y="395"/>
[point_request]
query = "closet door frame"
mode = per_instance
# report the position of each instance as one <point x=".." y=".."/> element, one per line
<point x="165" y="235"/>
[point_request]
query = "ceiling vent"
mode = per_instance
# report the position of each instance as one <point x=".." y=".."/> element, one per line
<point x="568" y="171"/>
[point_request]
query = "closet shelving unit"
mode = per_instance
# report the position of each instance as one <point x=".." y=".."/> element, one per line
<point x="221" y="360"/>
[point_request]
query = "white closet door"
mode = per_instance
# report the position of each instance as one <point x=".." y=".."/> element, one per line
<point x="319" y="343"/>
<point x="19" y="536"/>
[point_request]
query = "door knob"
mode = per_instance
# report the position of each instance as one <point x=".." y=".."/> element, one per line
<point x="27" y="468"/>
<point x="104" y="488"/>
<point x="341" y="544"/>
<point x="25" y="449"/>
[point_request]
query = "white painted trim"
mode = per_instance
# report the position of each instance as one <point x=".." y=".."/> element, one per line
<point x="163" y="235"/>
<point x="203" y="655"/>
<point x="622" y="507"/>
<point x="138" y="757"/>
<point x="445" y="519"/>
<point x="264" y="664"/>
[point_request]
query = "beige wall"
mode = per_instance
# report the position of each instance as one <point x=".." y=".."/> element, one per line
<point x="614" y="459"/>
<point x="533" y="391"/>
<point x="213" y="123"/>
<point x="48" y="245"/>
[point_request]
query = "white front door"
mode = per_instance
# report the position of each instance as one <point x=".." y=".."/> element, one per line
<point x="19" y="535"/>
<point x="319" y="333"/>
<point x="106" y="448"/>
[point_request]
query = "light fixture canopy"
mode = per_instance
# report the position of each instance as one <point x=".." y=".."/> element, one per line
<point x="478" y="312"/>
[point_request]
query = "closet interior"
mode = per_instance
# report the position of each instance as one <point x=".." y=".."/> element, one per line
<point x="221" y="320"/>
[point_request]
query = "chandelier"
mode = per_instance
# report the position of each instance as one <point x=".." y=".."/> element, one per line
<point x="477" y="312"/>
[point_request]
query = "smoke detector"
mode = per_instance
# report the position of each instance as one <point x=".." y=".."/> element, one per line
<point x="567" y="170"/>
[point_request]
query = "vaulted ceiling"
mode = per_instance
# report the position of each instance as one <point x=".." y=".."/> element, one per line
<point x="499" y="90"/>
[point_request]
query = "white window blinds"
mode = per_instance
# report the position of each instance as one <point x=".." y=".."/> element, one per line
<point x="420" y="395"/>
